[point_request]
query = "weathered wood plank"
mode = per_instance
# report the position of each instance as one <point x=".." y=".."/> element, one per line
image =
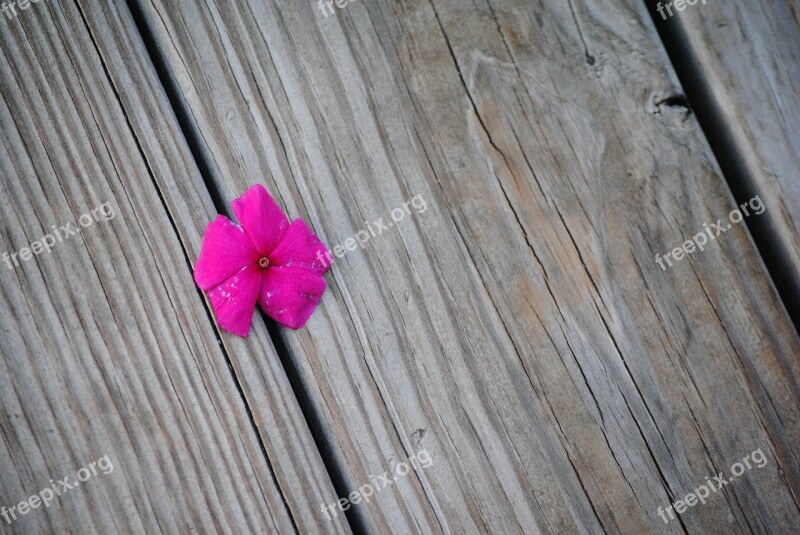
<point x="520" y="329"/>
<point x="271" y="400"/>
<point x="741" y="63"/>
<point x="107" y="346"/>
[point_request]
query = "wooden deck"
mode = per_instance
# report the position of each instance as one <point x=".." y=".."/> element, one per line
<point x="518" y="330"/>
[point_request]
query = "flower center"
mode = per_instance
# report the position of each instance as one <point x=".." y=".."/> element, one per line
<point x="263" y="262"/>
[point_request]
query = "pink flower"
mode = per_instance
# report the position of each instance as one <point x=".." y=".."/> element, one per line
<point x="265" y="260"/>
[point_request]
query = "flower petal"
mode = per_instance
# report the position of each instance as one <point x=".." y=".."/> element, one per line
<point x="225" y="251"/>
<point x="289" y="295"/>
<point x="234" y="301"/>
<point x="300" y="248"/>
<point x="263" y="220"/>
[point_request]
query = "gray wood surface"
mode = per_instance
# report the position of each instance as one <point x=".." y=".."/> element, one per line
<point x="747" y="60"/>
<point x="520" y="329"/>
<point x="107" y="346"/>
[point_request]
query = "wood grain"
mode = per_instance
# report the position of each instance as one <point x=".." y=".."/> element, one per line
<point x="744" y="62"/>
<point x="519" y="329"/>
<point x="107" y="346"/>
